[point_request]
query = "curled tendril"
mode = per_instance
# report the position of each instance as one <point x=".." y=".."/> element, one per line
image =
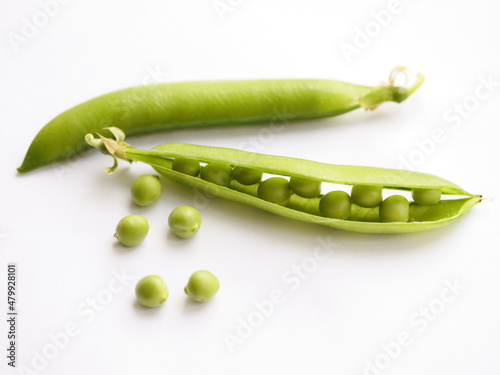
<point x="397" y="72"/>
<point x="114" y="147"/>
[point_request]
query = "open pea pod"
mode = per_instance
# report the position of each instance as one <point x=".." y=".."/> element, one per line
<point x="361" y="219"/>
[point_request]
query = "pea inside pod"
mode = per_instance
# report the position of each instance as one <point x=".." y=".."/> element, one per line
<point x="410" y="217"/>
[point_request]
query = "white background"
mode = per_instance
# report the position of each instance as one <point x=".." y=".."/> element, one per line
<point x="348" y="311"/>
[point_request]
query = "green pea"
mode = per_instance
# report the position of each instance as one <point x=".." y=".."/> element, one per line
<point x="146" y="190"/>
<point x="132" y="230"/>
<point x="366" y="196"/>
<point x="202" y="286"/>
<point x="394" y="209"/>
<point x="190" y="167"/>
<point x="305" y="187"/>
<point x="426" y="196"/>
<point x="275" y="190"/>
<point x="336" y="205"/>
<point x="151" y="291"/>
<point x="247" y="176"/>
<point x="184" y="221"/>
<point x="217" y="173"/>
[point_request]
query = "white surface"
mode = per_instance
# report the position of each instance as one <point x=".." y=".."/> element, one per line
<point x="57" y="223"/>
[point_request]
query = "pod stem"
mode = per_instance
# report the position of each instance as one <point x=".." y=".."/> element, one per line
<point x="114" y="147"/>
<point x="390" y="92"/>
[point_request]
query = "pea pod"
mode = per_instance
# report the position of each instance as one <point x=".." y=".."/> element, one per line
<point x="421" y="217"/>
<point x="152" y="108"/>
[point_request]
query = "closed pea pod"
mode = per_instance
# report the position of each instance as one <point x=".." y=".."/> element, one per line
<point x="160" y="107"/>
<point x="361" y="219"/>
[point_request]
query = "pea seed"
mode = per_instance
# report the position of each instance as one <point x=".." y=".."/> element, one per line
<point x="132" y="230"/>
<point x="190" y="167"/>
<point x="275" y="190"/>
<point x="366" y="196"/>
<point x="202" y="286"/>
<point x="247" y="176"/>
<point x="426" y="196"/>
<point x="184" y="221"/>
<point x="394" y="209"/>
<point x="146" y="190"/>
<point x="336" y="204"/>
<point x="305" y="187"/>
<point x="151" y="291"/>
<point x="217" y="173"/>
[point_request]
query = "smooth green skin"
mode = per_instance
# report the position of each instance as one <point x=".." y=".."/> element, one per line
<point x="132" y="230"/>
<point x="305" y="187"/>
<point x="217" y="173"/>
<point x="275" y="190"/>
<point x="247" y="176"/>
<point x="202" y="286"/>
<point x="184" y="221"/>
<point x="153" y="108"/>
<point x="335" y="204"/>
<point x="395" y="208"/>
<point x="145" y="190"/>
<point x="426" y="196"/>
<point x="187" y="166"/>
<point x="303" y="209"/>
<point x="151" y="291"/>
<point x="366" y="196"/>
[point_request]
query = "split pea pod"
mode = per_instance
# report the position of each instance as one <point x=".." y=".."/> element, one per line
<point x="398" y="216"/>
<point x="160" y="107"/>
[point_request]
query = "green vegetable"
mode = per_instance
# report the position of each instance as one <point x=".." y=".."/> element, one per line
<point x="217" y="173"/>
<point x="394" y="209"/>
<point x="426" y="196"/>
<point x="247" y="176"/>
<point x="202" y="286"/>
<point x="184" y="221"/>
<point x="361" y="219"/>
<point x="146" y="190"/>
<point x="275" y="190"/>
<point x="132" y="230"/>
<point x="160" y="107"/>
<point x="336" y="204"/>
<point x="186" y="166"/>
<point x="366" y="196"/>
<point x="151" y="291"/>
<point x="305" y="187"/>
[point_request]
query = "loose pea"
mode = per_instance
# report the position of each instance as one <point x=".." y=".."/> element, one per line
<point x="217" y="173"/>
<point x="394" y="209"/>
<point x="146" y="190"/>
<point x="202" y="286"/>
<point x="184" y="221"/>
<point x="426" y="196"/>
<point x="336" y="204"/>
<point x="275" y="190"/>
<point x="247" y="176"/>
<point x="132" y="230"/>
<point x="305" y="187"/>
<point x="190" y="167"/>
<point x="366" y="196"/>
<point x="151" y="291"/>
